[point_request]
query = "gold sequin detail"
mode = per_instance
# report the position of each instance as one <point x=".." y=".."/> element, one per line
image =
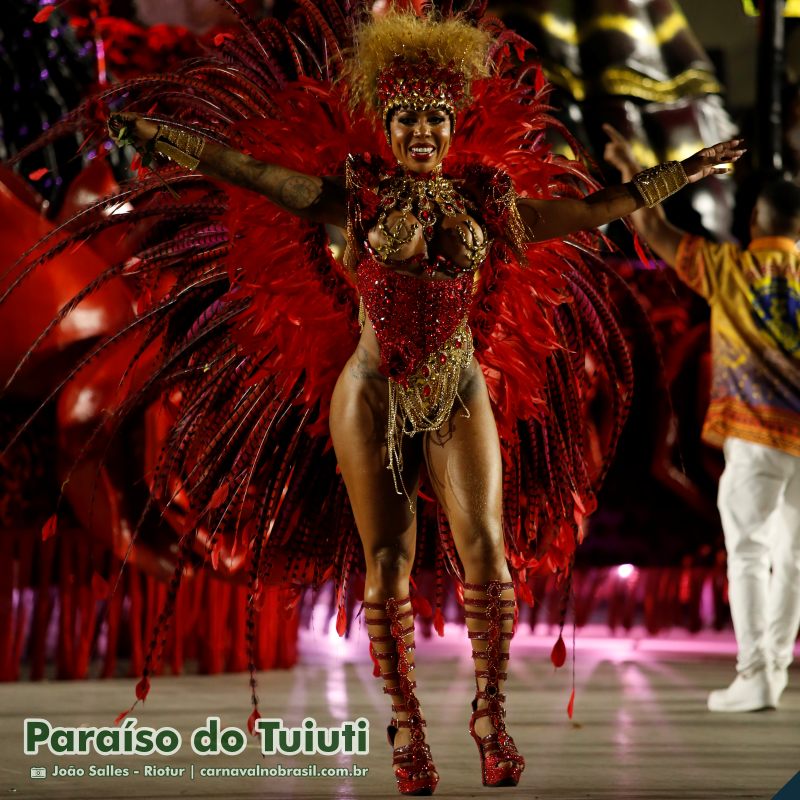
<point x="425" y="400"/>
<point x="181" y="146"/>
<point x="658" y="183"/>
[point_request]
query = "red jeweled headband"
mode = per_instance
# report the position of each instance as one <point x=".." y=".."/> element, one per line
<point x="419" y="85"/>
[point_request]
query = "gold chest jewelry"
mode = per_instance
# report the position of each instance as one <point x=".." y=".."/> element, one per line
<point x="427" y="199"/>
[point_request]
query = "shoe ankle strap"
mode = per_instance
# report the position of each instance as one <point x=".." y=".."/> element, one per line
<point x="385" y="620"/>
<point x="481" y="694"/>
<point x="503" y="654"/>
<point x="386" y="603"/>
<point x="390" y="637"/>
<point x="394" y="675"/>
<point x="500" y="675"/>
<point x="483" y="602"/>
<point x="400" y="709"/>
<point x="485" y="635"/>
<point x="390" y="655"/>
<point x="396" y="690"/>
<point x="415" y="756"/>
<point x="496" y="714"/>
<point x="417" y="721"/>
<point x="490" y="587"/>
<point x="403" y="756"/>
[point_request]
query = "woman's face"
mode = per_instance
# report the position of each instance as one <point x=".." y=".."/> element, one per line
<point x="420" y="139"/>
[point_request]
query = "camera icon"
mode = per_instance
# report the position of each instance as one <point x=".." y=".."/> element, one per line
<point x="38" y="772"/>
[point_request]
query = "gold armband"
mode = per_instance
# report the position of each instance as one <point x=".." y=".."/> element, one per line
<point x="180" y="146"/>
<point x="658" y="183"/>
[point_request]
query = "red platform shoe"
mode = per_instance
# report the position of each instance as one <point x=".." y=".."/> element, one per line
<point x="413" y="766"/>
<point x="489" y="612"/>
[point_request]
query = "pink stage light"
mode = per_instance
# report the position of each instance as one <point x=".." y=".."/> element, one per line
<point x="625" y="570"/>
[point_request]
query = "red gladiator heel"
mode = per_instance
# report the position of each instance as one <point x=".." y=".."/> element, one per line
<point x="492" y="623"/>
<point x="413" y="766"/>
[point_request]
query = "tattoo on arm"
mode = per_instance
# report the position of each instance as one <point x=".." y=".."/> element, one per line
<point x="300" y="191"/>
<point x="308" y="196"/>
<point x="286" y="188"/>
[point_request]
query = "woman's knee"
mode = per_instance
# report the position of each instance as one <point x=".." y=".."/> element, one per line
<point x="482" y="550"/>
<point x="389" y="563"/>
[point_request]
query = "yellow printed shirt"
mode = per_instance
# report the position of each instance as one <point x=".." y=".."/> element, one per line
<point x="754" y="296"/>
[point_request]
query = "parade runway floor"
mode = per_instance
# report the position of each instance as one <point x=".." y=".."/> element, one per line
<point x="640" y="730"/>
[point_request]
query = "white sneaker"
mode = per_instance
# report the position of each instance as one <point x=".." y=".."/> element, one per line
<point x="779" y="679"/>
<point x="749" y="692"/>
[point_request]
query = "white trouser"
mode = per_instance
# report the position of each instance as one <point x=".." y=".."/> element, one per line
<point x="759" y="503"/>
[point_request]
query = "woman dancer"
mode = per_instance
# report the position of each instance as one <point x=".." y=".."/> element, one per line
<point x="426" y="243"/>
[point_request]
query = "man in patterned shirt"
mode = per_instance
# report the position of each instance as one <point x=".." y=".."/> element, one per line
<point x="754" y="416"/>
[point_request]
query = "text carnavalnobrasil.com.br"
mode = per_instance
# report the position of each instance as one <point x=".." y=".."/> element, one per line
<point x="171" y="771"/>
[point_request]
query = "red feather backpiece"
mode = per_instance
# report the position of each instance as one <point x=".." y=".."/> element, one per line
<point x="245" y="318"/>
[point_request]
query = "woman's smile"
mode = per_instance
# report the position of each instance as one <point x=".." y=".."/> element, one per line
<point x="420" y="139"/>
<point x="422" y="152"/>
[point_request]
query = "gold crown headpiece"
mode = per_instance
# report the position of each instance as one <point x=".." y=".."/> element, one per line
<point x="419" y="85"/>
<point x="402" y="60"/>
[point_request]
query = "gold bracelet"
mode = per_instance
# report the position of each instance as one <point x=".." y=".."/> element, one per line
<point x="658" y="183"/>
<point x="179" y="145"/>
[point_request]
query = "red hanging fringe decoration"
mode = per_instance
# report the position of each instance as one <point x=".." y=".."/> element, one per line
<point x="376" y="667"/>
<point x="143" y="688"/>
<point x="559" y="653"/>
<point x="438" y="622"/>
<point x="341" y="621"/>
<point x="99" y="587"/>
<point x="44" y="14"/>
<point x="421" y="606"/>
<point x="49" y="528"/>
<point x="220" y="496"/>
<point x="251" y="721"/>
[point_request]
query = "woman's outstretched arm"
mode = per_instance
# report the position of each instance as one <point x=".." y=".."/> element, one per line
<point x="308" y="196"/>
<point x="555" y="219"/>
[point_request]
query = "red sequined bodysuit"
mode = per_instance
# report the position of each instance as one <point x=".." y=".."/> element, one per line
<point x="425" y="344"/>
<point x="412" y="316"/>
<point x="420" y="321"/>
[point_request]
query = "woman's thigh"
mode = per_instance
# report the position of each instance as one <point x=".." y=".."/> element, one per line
<point x="465" y="467"/>
<point x="358" y="422"/>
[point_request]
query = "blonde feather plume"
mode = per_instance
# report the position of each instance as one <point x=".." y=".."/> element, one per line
<point x="451" y="41"/>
